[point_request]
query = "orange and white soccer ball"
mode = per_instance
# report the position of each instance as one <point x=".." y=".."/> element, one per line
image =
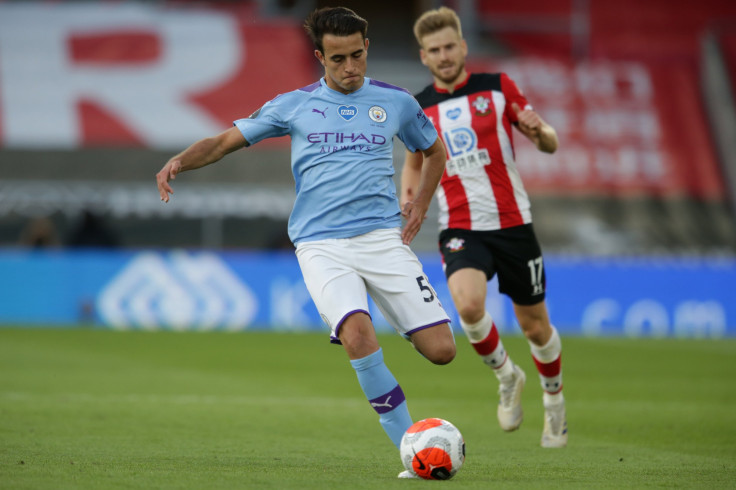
<point x="433" y="448"/>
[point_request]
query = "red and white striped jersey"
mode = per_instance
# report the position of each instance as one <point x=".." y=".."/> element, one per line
<point x="481" y="188"/>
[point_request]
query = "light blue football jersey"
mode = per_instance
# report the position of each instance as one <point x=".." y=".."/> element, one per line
<point x="342" y="154"/>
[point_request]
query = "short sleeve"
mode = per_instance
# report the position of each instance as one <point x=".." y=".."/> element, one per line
<point x="513" y="95"/>
<point x="267" y="122"/>
<point x="417" y="131"/>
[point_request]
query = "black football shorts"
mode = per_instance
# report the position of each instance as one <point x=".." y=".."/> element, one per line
<point x="512" y="253"/>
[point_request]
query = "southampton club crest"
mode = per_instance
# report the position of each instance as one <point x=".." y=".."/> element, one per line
<point x="482" y="106"/>
<point x="455" y="244"/>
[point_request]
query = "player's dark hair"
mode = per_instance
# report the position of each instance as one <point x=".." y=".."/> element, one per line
<point x="338" y="21"/>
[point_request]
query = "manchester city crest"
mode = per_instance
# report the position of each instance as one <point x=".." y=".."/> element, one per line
<point x="377" y="114"/>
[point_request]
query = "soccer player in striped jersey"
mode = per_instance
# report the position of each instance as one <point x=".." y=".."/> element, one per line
<point x="346" y="220"/>
<point x="485" y="217"/>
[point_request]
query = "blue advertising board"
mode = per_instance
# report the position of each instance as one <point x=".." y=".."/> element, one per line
<point x="205" y="290"/>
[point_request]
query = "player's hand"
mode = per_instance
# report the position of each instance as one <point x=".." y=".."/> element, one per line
<point x="166" y="174"/>
<point x="414" y="216"/>
<point x="529" y="121"/>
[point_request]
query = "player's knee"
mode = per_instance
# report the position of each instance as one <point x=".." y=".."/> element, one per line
<point x="442" y="354"/>
<point x="358" y="336"/>
<point x="436" y="344"/>
<point x="536" y="331"/>
<point x="471" y="310"/>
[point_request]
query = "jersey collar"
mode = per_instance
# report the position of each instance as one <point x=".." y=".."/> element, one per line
<point x="323" y="82"/>
<point x="456" y="88"/>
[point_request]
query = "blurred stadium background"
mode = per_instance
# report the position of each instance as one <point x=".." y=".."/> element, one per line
<point x="636" y="212"/>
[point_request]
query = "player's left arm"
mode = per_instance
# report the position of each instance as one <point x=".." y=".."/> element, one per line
<point x="410" y="175"/>
<point x="526" y="120"/>
<point x="432" y="163"/>
<point x="536" y="129"/>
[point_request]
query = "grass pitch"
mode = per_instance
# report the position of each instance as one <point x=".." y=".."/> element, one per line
<point x="98" y="409"/>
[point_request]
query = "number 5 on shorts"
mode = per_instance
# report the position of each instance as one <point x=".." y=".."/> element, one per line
<point x="422" y="281"/>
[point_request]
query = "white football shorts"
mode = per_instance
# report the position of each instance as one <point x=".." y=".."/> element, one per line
<point x="340" y="273"/>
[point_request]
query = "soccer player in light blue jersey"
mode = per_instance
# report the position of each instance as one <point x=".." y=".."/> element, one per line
<point x="346" y="220"/>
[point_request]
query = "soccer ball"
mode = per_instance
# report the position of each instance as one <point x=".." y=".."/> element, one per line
<point x="433" y="449"/>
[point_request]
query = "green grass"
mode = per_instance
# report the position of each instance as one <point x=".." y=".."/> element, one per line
<point x="98" y="409"/>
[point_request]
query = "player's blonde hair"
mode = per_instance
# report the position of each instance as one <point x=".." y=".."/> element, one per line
<point x="435" y="20"/>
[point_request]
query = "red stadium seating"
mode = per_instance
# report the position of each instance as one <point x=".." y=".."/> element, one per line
<point x="663" y="37"/>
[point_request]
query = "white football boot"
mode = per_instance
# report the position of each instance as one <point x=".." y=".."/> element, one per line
<point x="408" y="474"/>
<point x="555" y="425"/>
<point x="509" y="412"/>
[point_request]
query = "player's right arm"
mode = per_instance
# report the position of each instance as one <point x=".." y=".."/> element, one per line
<point x="199" y="154"/>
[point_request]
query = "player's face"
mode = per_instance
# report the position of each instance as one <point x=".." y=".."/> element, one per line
<point x="344" y="59"/>
<point x="444" y="52"/>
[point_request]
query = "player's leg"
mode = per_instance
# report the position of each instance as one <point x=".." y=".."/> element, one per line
<point x="341" y="299"/>
<point x="546" y="348"/>
<point x="358" y="337"/>
<point x="468" y="290"/>
<point x="396" y="281"/>
<point x="522" y="276"/>
<point x="436" y="343"/>
<point x="468" y="266"/>
<point x="545" y="345"/>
